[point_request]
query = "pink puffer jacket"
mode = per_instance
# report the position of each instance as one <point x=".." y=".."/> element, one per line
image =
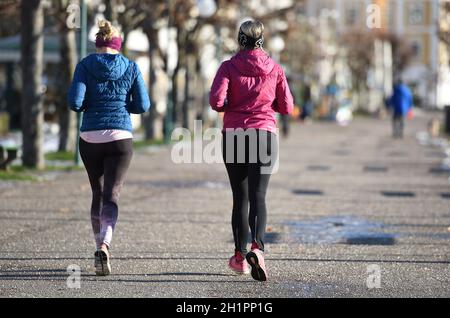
<point x="250" y="88"/>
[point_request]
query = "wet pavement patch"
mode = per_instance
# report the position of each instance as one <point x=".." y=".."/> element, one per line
<point x="440" y="170"/>
<point x="375" y="169"/>
<point x="340" y="230"/>
<point x="397" y="154"/>
<point x="307" y="192"/>
<point x="318" y="168"/>
<point x="272" y="237"/>
<point x="398" y="194"/>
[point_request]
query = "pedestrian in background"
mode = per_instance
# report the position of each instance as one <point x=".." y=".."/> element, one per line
<point x="107" y="87"/>
<point x="249" y="88"/>
<point x="400" y="104"/>
<point x="307" y="109"/>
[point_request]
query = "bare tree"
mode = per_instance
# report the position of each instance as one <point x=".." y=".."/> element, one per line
<point x="130" y="18"/>
<point x="67" y="118"/>
<point x="185" y="43"/>
<point x="111" y="11"/>
<point x="301" y="52"/>
<point x="153" y="15"/>
<point x="402" y="52"/>
<point x="359" y="48"/>
<point x="32" y="47"/>
<point x="155" y="9"/>
<point x="10" y="17"/>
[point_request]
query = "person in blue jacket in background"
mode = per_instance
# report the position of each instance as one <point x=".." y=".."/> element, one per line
<point x="107" y="87"/>
<point x="400" y="103"/>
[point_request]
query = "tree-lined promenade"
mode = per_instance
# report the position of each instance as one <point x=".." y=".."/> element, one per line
<point x="355" y="213"/>
<point x="186" y="42"/>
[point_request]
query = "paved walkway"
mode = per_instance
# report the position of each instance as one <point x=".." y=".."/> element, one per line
<point x="346" y="203"/>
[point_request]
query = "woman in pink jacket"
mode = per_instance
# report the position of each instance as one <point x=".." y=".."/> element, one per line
<point x="250" y="88"/>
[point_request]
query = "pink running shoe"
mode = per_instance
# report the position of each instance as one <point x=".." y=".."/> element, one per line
<point x="256" y="260"/>
<point x="254" y="246"/>
<point x="238" y="264"/>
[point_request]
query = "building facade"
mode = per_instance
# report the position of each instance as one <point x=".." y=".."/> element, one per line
<point x="415" y="22"/>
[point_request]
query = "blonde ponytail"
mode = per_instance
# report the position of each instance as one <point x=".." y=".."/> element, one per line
<point x="106" y="30"/>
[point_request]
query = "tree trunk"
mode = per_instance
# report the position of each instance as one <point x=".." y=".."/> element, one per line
<point x="181" y="64"/>
<point x="187" y="93"/>
<point x="174" y="94"/>
<point x="111" y="11"/>
<point x="32" y="45"/>
<point x="152" y="120"/>
<point x="125" y="32"/>
<point x="67" y="118"/>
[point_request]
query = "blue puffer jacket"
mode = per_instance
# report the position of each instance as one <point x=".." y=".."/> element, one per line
<point x="107" y="88"/>
<point x="401" y="100"/>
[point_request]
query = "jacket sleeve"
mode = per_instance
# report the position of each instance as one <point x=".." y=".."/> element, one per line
<point x="284" y="102"/>
<point x="219" y="89"/>
<point x="140" y="101"/>
<point x="410" y="99"/>
<point x="77" y="90"/>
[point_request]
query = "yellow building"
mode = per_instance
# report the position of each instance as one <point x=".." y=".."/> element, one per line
<point x="415" y="21"/>
<point x="443" y="91"/>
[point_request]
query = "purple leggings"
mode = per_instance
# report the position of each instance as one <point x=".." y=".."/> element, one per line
<point x="106" y="165"/>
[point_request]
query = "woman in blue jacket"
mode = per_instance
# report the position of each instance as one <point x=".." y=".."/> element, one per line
<point x="107" y="87"/>
<point x="400" y="102"/>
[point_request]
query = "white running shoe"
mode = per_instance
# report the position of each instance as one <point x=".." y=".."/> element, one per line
<point x="102" y="263"/>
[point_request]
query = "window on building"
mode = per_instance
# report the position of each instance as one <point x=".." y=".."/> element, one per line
<point x="416" y="49"/>
<point x="391" y="14"/>
<point x="416" y="12"/>
<point x="351" y="16"/>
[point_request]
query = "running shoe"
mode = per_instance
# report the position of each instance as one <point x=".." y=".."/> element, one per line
<point x="256" y="260"/>
<point x="238" y="264"/>
<point x="102" y="263"/>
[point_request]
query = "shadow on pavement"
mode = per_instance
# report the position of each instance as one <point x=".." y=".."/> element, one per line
<point x="307" y="192"/>
<point x="398" y="194"/>
<point x="375" y="169"/>
<point x="318" y="168"/>
<point x="445" y="195"/>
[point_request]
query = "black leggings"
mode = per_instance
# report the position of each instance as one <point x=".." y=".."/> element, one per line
<point x="249" y="184"/>
<point x="106" y="165"/>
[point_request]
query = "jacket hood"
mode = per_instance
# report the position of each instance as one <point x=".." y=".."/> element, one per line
<point x="253" y="63"/>
<point x="106" y="66"/>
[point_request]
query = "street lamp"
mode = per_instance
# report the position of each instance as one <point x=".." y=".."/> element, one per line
<point x="83" y="42"/>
